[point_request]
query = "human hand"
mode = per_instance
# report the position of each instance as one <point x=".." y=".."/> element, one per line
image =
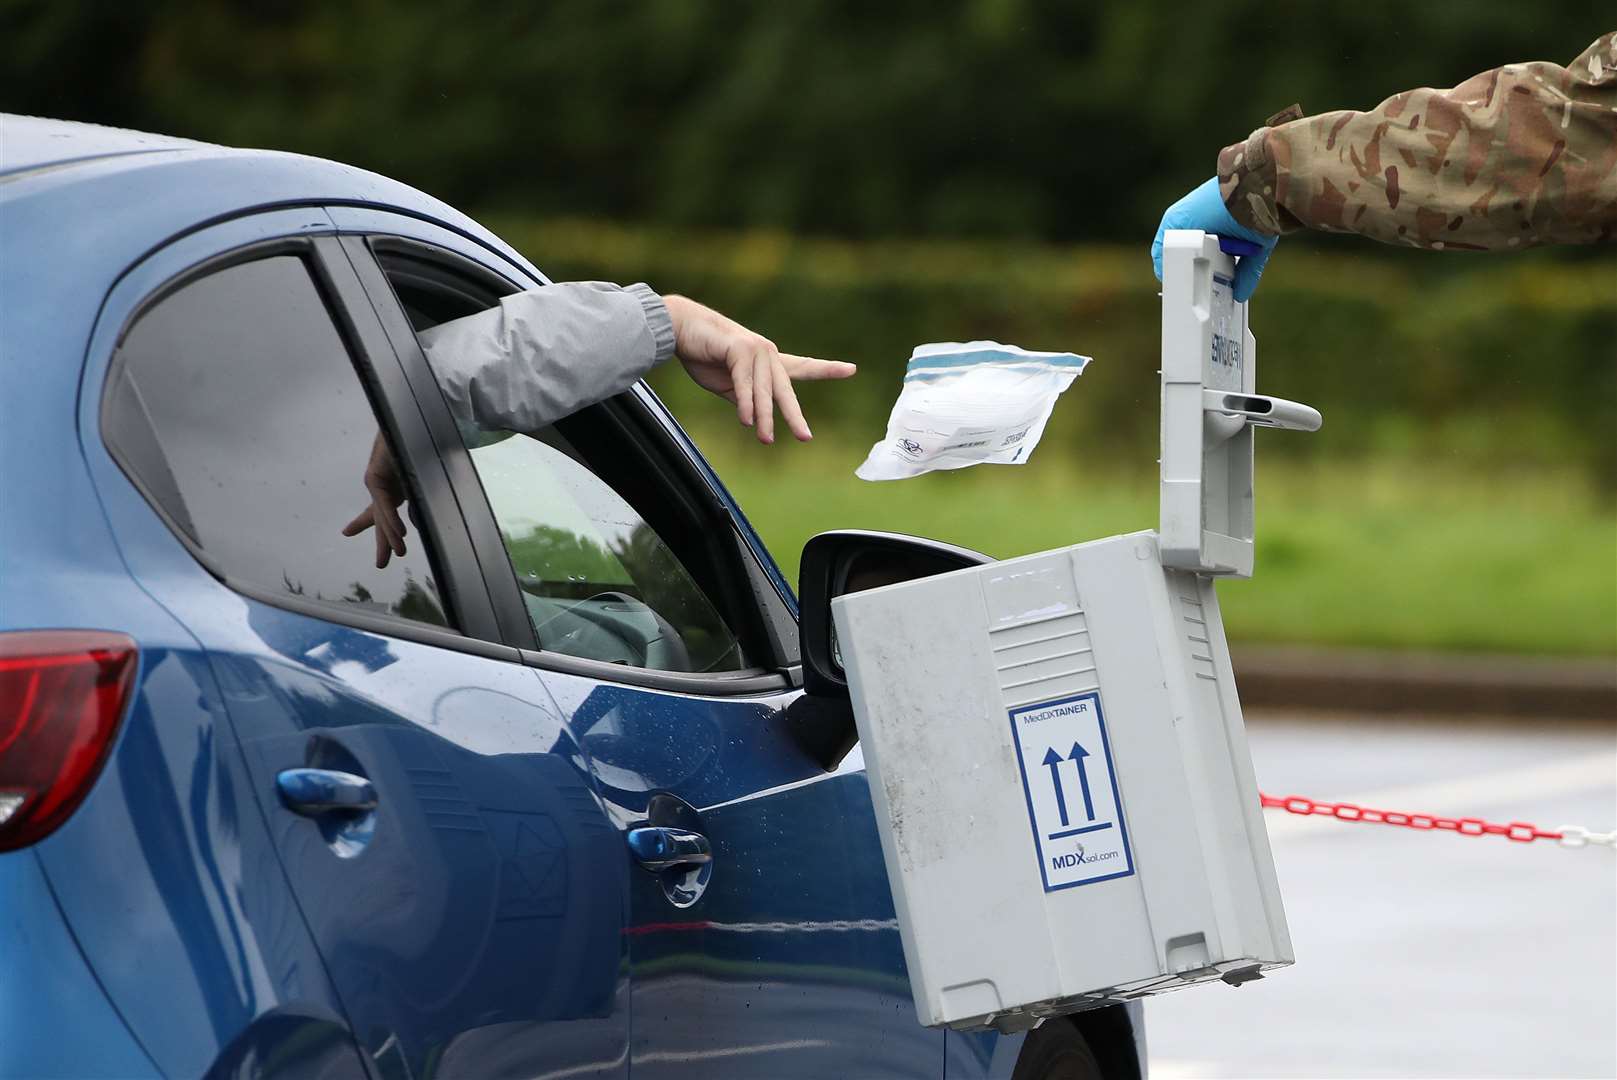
<point x="745" y="368"/>
<point x="382" y="480"/>
<point x="1204" y="209"/>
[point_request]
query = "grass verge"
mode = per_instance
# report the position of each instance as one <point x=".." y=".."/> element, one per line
<point x="1378" y="556"/>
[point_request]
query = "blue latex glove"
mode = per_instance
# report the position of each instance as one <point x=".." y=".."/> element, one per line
<point x="1204" y="209"/>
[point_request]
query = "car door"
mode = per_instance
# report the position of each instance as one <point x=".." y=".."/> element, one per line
<point x="762" y="938"/>
<point x="429" y="804"/>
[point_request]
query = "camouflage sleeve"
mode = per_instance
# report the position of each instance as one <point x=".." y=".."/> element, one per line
<point x="1521" y="155"/>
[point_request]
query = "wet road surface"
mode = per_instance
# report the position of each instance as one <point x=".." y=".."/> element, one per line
<point x="1423" y="954"/>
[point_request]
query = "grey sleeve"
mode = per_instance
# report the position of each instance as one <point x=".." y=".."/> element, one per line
<point x="548" y="352"/>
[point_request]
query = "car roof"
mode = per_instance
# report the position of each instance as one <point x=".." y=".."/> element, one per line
<point x="81" y="205"/>
<point x="34" y="142"/>
<point x="63" y="181"/>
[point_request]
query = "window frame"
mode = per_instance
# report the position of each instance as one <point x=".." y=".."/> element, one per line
<point x="464" y="595"/>
<point x="738" y="575"/>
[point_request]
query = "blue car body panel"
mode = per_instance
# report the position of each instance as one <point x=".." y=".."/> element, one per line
<point x="476" y="928"/>
<point x="790" y="964"/>
<point x="488" y="919"/>
<point x="54" y="1019"/>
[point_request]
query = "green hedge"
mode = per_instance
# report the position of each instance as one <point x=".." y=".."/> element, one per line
<point x="1002" y="118"/>
<point x="1485" y="363"/>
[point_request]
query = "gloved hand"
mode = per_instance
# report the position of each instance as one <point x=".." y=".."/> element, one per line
<point x="1204" y="209"/>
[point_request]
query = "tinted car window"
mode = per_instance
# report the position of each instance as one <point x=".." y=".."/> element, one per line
<point x="236" y="406"/>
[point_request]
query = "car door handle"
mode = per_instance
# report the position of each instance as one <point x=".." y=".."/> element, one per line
<point x="658" y="848"/>
<point x="316" y="792"/>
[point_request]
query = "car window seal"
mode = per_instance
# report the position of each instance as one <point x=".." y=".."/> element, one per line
<point x="385" y="625"/>
<point x="745" y="682"/>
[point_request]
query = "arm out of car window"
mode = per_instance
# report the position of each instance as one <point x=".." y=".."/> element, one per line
<point x="544" y="354"/>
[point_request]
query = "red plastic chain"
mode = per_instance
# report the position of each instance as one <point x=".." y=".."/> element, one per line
<point x="1519" y="831"/>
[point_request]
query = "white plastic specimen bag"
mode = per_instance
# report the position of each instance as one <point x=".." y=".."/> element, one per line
<point x="968" y="402"/>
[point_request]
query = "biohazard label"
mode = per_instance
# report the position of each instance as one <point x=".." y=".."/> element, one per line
<point x="1072" y="799"/>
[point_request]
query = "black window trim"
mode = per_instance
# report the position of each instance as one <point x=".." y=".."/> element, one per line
<point x="511" y="624"/>
<point x="464" y="596"/>
<point x="744" y="681"/>
<point x="639" y="421"/>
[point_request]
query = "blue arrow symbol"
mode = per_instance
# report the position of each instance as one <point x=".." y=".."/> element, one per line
<point x="1053" y="760"/>
<point x="1078" y="754"/>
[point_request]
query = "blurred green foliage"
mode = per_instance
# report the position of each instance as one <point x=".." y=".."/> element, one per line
<point x="1502" y="365"/>
<point x="1005" y="118"/>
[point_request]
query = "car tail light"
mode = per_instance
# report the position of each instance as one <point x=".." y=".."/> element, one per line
<point x="62" y="693"/>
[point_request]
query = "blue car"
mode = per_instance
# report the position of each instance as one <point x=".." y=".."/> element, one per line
<point x="544" y="797"/>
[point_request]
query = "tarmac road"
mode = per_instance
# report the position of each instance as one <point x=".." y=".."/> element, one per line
<point x="1423" y="954"/>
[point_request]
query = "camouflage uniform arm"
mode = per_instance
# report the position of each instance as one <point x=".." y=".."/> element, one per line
<point x="1521" y="155"/>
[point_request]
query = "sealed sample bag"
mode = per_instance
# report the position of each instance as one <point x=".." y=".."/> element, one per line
<point x="966" y="403"/>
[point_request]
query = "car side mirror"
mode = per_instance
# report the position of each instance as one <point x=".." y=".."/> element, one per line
<point x="852" y="560"/>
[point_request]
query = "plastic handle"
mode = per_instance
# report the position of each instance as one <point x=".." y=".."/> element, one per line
<point x="1263" y="410"/>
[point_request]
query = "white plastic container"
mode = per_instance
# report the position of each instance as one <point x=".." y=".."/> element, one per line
<point x="1055" y="745"/>
<point x="1026" y="887"/>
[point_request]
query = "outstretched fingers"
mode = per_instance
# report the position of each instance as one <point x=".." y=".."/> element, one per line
<point x="760" y="380"/>
<point x="384" y="549"/>
<point x="740" y="363"/>
<point x="394" y="526"/>
<point x="366" y="519"/>
<point x="810" y="368"/>
<point x="786" y="398"/>
<point x="362" y="521"/>
<point x="389" y="535"/>
<point x="763" y="393"/>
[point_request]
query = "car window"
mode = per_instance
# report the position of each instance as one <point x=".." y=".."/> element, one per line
<point x="599" y="576"/>
<point x="597" y="579"/>
<point x="236" y="406"/>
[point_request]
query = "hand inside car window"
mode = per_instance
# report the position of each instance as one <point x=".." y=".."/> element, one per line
<point x="386" y="487"/>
